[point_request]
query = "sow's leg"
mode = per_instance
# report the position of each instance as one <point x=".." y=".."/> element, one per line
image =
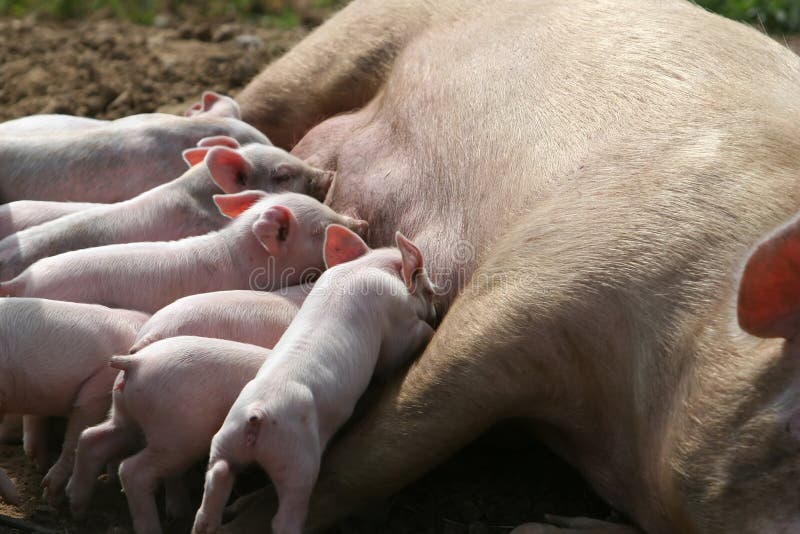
<point x="339" y="67"/>
<point x="477" y="370"/>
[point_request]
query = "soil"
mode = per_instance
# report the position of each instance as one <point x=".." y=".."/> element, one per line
<point x="106" y="68"/>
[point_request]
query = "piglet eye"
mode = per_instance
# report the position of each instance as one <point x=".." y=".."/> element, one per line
<point x="283" y="173"/>
<point x="241" y="178"/>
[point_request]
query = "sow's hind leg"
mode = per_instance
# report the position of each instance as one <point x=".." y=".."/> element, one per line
<point x="483" y="365"/>
<point x="339" y="67"/>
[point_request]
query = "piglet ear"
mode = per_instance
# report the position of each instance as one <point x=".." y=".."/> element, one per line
<point x="232" y="206"/>
<point x="219" y="140"/>
<point x="342" y="245"/>
<point x="228" y="168"/>
<point x="275" y="229"/>
<point x="769" y="290"/>
<point x="196" y="108"/>
<point x="193" y="156"/>
<point x="220" y="105"/>
<point x="412" y="261"/>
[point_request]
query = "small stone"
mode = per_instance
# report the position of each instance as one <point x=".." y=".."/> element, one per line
<point x="225" y="32"/>
<point x="248" y="40"/>
<point x="162" y="20"/>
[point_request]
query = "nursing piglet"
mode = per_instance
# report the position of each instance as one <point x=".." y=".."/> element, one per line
<point x="180" y="208"/>
<point x="22" y="214"/>
<point x="211" y="104"/>
<point x="273" y="241"/>
<point x="169" y="401"/>
<point x="255" y="317"/>
<point x="367" y="316"/>
<point x="54" y="362"/>
<point x="111" y="162"/>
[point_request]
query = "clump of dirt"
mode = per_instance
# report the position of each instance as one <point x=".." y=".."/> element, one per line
<point x="106" y="68"/>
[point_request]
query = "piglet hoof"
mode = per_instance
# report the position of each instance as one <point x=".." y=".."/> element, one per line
<point x="576" y="525"/>
<point x="52" y="490"/>
<point x="78" y="503"/>
<point x="202" y="525"/>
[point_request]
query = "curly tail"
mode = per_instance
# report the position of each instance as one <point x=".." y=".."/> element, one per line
<point x="254" y="414"/>
<point x="123" y="363"/>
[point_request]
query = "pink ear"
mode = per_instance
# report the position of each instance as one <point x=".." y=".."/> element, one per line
<point x="275" y="228"/>
<point x="342" y="245"/>
<point x="219" y="140"/>
<point x="220" y="105"/>
<point x="234" y="205"/>
<point x="210" y="98"/>
<point x="228" y="168"/>
<point x="196" y="108"/>
<point x="193" y="156"/>
<point x="769" y="291"/>
<point x="412" y="260"/>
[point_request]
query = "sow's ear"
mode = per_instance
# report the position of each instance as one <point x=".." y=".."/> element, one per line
<point x="769" y="290"/>
<point x="342" y="245"/>
<point x="232" y="206"/>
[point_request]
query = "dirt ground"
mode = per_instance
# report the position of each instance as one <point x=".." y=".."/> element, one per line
<point x="105" y="68"/>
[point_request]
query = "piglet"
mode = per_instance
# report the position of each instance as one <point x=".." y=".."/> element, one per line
<point x="22" y="214"/>
<point x="180" y="208"/>
<point x="54" y="362"/>
<point x="211" y="104"/>
<point x="368" y="316"/>
<point x="111" y="162"/>
<point x="273" y="241"/>
<point x="255" y="317"/>
<point x="168" y="402"/>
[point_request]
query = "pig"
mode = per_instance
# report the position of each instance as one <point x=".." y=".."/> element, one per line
<point x="211" y="104"/>
<point x="587" y="242"/>
<point x="273" y="241"/>
<point x="21" y="214"/>
<point x="168" y="401"/>
<point x="108" y="163"/>
<point x="308" y="388"/>
<point x="254" y="317"/>
<point x="48" y="123"/>
<point x="54" y="362"/>
<point x="180" y="208"/>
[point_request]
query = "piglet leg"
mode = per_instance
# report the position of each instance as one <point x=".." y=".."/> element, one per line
<point x="98" y="446"/>
<point x="35" y="442"/>
<point x="139" y="475"/>
<point x="91" y="407"/>
<point x="178" y="501"/>
<point x="218" y="487"/>
<point x="8" y="492"/>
